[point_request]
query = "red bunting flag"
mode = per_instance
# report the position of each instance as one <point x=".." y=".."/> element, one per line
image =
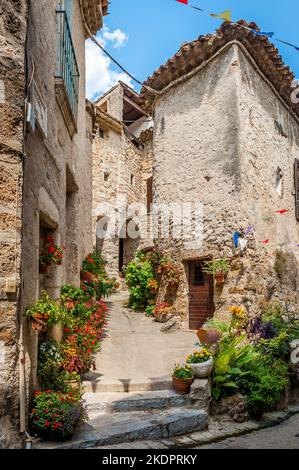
<point x="266" y="242"/>
<point x="283" y="211"/>
<point x="183" y="1"/>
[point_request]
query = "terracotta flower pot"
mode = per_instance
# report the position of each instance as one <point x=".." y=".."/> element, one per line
<point x="208" y="335"/>
<point x="220" y="279"/>
<point x="87" y="276"/>
<point x="70" y="304"/>
<point x="182" y="386"/>
<point x="38" y="324"/>
<point x="202" y="370"/>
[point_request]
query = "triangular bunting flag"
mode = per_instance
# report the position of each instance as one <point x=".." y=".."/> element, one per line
<point x="226" y="15"/>
<point x="183" y="1"/>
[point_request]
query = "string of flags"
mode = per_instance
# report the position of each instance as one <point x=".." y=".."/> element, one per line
<point x="240" y="240"/>
<point x="227" y="16"/>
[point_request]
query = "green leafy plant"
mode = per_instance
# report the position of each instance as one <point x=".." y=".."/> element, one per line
<point x="47" y="310"/>
<point x="230" y="364"/>
<point x="138" y="274"/>
<point x="264" y="384"/>
<point x="216" y="266"/>
<point x="220" y="325"/>
<point x="163" y="308"/>
<point x="198" y="357"/>
<point x="182" y="372"/>
<point x="149" y="310"/>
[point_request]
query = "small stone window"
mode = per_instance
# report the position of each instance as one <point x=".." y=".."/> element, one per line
<point x="132" y="179"/>
<point x="106" y="176"/>
<point x="101" y="134"/>
<point x="279" y="182"/>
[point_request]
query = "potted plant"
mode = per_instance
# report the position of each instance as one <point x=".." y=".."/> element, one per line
<point x="163" y="312"/>
<point x="182" y="379"/>
<point x="93" y="265"/>
<point x="212" y="331"/>
<point x="201" y="363"/>
<point x="73" y="379"/>
<point x="45" y="313"/>
<point x="153" y="286"/>
<point x="217" y="268"/>
<point x="53" y="255"/>
<point x="55" y="416"/>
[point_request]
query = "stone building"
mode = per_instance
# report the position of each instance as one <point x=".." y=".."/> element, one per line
<point x="122" y="171"/>
<point x="226" y="134"/>
<point x="46" y="129"/>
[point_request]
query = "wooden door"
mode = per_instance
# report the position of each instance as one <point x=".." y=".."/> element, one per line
<point x="201" y="299"/>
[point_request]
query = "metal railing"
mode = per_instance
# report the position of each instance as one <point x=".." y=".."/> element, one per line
<point x="67" y="67"/>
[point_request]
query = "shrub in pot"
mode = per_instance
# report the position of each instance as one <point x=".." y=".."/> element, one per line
<point x="55" y="416"/>
<point x="182" y="379"/>
<point x="200" y="363"/>
<point x="45" y="313"/>
<point x="217" y="268"/>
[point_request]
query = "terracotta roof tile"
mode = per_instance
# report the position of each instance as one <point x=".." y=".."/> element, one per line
<point x="194" y="53"/>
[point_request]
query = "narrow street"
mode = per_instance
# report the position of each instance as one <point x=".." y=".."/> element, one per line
<point x="282" y="436"/>
<point x="136" y="355"/>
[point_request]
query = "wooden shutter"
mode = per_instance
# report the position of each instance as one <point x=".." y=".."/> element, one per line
<point x="149" y="194"/>
<point x="296" y="173"/>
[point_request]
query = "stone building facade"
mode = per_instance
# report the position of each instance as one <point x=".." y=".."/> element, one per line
<point x="122" y="169"/>
<point x="226" y="134"/>
<point x="46" y="136"/>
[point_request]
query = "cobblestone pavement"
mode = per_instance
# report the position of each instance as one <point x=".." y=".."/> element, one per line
<point x="282" y="436"/>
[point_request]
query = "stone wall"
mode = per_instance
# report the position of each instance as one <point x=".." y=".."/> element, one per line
<point x="210" y="147"/>
<point x="57" y="183"/>
<point x="120" y="171"/>
<point x="13" y="23"/>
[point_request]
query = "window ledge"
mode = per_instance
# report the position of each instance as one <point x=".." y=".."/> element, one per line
<point x="65" y="108"/>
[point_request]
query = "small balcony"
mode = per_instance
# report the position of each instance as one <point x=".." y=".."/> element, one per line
<point x="67" y="74"/>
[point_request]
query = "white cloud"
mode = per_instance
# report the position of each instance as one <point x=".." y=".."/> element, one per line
<point x="99" y="74"/>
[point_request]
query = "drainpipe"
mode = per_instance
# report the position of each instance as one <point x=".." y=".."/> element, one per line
<point x="22" y="383"/>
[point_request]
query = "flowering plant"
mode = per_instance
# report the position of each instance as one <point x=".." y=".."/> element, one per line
<point x="163" y="309"/>
<point x="199" y="356"/>
<point x="94" y="263"/>
<point x="56" y="415"/>
<point x="239" y="317"/>
<point x="53" y="253"/>
<point x="46" y="310"/>
<point x="182" y="372"/>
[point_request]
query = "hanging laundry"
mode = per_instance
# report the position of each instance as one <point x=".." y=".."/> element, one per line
<point x="243" y="243"/>
<point x="226" y="15"/>
<point x="236" y="237"/>
<point x="249" y="230"/>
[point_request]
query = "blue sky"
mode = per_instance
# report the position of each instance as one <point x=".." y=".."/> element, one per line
<point x="145" y="33"/>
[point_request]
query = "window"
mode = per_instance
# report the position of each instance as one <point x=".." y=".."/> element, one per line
<point x="132" y="179"/>
<point x="296" y="173"/>
<point x="199" y="279"/>
<point x="101" y="134"/>
<point x="106" y="176"/>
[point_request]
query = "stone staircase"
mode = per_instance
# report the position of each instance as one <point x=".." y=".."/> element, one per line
<point x="118" y="418"/>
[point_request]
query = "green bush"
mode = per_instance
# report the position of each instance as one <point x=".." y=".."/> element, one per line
<point x="220" y="325"/>
<point x="138" y="274"/>
<point x="264" y="384"/>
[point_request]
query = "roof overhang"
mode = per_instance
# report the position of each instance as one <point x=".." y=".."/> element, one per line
<point x="197" y="53"/>
<point x="93" y="12"/>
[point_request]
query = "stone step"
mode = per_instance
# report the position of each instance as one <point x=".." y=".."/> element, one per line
<point x="118" y="428"/>
<point x="106" y="403"/>
<point x="95" y="385"/>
